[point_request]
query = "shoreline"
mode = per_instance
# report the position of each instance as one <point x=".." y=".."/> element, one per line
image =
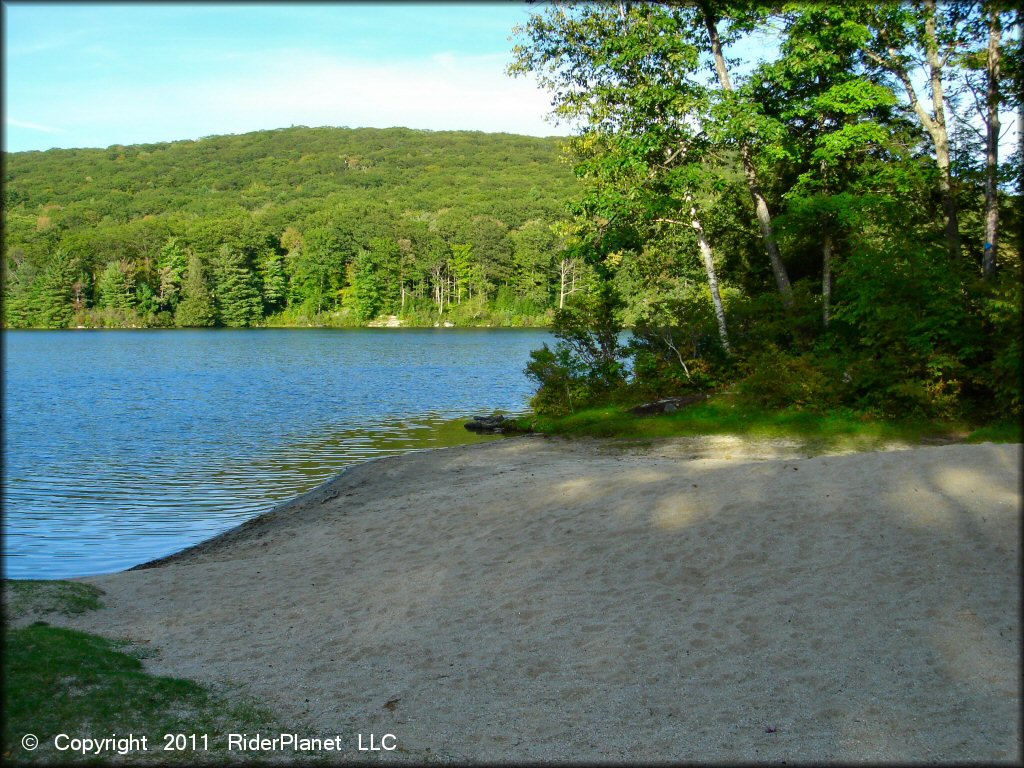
<point x="692" y="447"/>
<point x="320" y="494"/>
<point x="562" y="600"/>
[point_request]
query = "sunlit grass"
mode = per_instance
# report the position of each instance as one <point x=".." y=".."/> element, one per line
<point x="1002" y="432"/>
<point x="727" y="415"/>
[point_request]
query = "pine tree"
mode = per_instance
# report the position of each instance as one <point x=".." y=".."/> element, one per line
<point x="171" y="267"/>
<point x="238" y="299"/>
<point x="50" y="299"/>
<point x="115" y="287"/>
<point x="274" y="286"/>
<point x="196" y="307"/>
<point x="367" y="285"/>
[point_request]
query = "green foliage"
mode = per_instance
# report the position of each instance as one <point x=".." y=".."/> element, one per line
<point x="1003" y="376"/>
<point x="49" y="302"/>
<point x="196" y="309"/>
<point x="115" y="286"/>
<point x="807" y="431"/>
<point x="296" y="207"/>
<point x="236" y="290"/>
<point x="884" y="317"/>
<point x="587" y="364"/>
<point x="675" y="345"/>
<point x="908" y="331"/>
<point x="170" y="270"/>
<point x="376" y="279"/>
<point x="272" y="279"/>
<point x="776" y="380"/>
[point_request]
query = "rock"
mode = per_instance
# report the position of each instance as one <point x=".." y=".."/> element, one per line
<point x="668" y="405"/>
<point x="495" y="424"/>
<point x="391" y="321"/>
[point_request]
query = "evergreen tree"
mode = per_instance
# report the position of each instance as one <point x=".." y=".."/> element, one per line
<point x="115" y="287"/>
<point x="195" y="310"/>
<point x="534" y="246"/>
<point x="367" y="285"/>
<point x="17" y="286"/>
<point x="170" y="268"/>
<point x="235" y="289"/>
<point x="51" y="303"/>
<point x="319" y="270"/>
<point x="273" y="283"/>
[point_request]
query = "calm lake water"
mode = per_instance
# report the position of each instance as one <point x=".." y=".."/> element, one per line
<point x="123" y="446"/>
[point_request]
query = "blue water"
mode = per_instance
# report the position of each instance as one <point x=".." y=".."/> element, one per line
<point x="123" y="446"/>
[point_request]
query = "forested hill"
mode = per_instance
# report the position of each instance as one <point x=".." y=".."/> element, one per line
<point x="295" y="226"/>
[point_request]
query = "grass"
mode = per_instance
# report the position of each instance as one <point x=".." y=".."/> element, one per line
<point x="727" y="415"/>
<point x="59" y="680"/>
<point x="66" y="598"/>
<point x="1001" y="432"/>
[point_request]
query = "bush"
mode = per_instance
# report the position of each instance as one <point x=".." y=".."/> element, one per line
<point x="586" y="367"/>
<point x="776" y="379"/>
<point x="1001" y="314"/>
<point x="676" y="348"/>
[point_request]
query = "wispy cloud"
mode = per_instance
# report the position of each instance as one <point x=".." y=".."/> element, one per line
<point x="50" y="41"/>
<point x="34" y="126"/>
<point x="443" y="91"/>
<point x="286" y="87"/>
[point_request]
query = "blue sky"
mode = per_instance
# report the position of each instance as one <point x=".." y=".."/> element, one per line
<point x="93" y="75"/>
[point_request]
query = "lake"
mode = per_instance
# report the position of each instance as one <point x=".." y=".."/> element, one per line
<point x="123" y="446"/>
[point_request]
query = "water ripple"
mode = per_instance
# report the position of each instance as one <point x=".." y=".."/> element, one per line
<point x="120" y="447"/>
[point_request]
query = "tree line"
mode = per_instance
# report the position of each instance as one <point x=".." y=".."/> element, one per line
<point x="299" y="226"/>
<point x="831" y="227"/>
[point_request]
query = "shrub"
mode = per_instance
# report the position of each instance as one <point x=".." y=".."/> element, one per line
<point x="587" y="364"/>
<point x="776" y="379"/>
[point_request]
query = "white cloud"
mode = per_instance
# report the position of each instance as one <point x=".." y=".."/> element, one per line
<point x="447" y="91"/>
<point x="33" y="126"/>
<point x="291" y="87"/>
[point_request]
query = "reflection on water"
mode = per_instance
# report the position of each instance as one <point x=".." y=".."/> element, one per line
<point x="121" y="447"/>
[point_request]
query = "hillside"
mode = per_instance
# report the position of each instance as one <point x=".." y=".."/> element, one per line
<point x="321" y="225"/>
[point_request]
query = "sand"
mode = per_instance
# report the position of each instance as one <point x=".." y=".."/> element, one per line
<point x="540" y="600"/>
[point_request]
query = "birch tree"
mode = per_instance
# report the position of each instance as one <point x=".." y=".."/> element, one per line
<point x="905" y="39"/>
<point x="628" y="75"/>
<point x="709" y="17"/>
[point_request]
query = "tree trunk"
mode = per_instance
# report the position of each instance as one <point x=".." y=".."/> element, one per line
<point x="935" y="125"/>
<point x="764" y="217"/>
<point x="991" y="253"/>
<point x="941" y="135"/>
<point x="709" y="268"/>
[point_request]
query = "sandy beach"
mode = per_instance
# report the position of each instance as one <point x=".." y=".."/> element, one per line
<point x="541" y="600"/>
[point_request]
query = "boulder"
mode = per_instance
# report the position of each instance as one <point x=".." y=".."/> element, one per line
<point x="668" y="405"/>
<point x="494" y="424"/>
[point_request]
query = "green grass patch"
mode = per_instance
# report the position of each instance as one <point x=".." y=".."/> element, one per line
<point x="63" y="681"/>
<point x="728" y="415"/>
<point x="1002" y="432"/>
<point x="23" y="597"/>
<point x="59" y="680"/>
